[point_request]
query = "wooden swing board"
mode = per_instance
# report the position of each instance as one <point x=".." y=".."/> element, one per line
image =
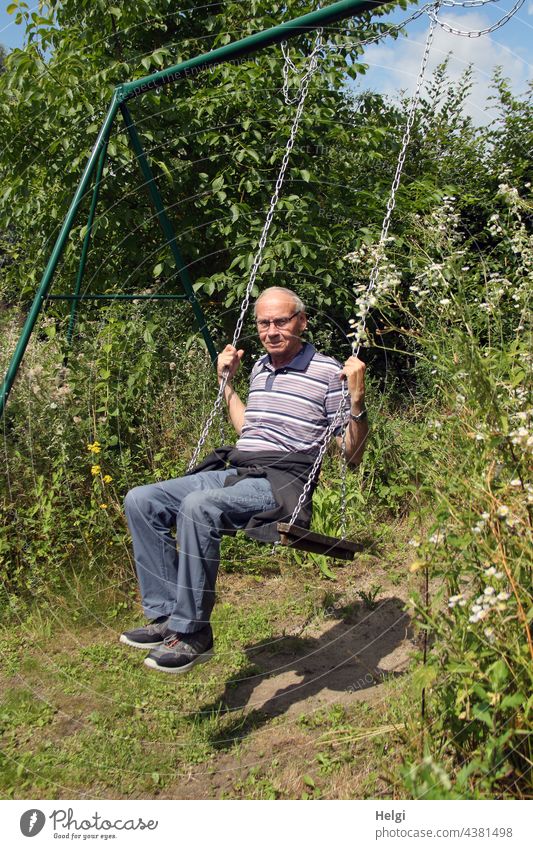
<point x="302" y="538"/>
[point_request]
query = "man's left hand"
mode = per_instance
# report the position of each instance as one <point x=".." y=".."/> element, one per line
<point x="354" y="373"/>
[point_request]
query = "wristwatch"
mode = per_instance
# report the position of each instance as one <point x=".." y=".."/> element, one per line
<point x="359" y="416"/>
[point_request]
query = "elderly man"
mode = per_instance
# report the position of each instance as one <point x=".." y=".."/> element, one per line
<point x="294" y="394"/>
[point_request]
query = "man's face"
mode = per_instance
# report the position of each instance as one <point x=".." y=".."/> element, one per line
<point x="282" y="343"/>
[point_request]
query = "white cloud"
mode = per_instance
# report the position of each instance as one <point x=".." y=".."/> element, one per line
<point x="394" y="65"/>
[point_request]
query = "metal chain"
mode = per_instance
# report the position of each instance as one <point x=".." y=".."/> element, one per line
<point x="391" y="203"/>
<point x="288" y="65"/>
<point x="394" y="27"/>
<point x="344" y="467"/>
<point x="428" y="9"/>
<point x="331" y="428"/>
<point x="303" y="91"/>
<point x="373" y="279"/>
<point x="433" y="14"/>
<point x="302" y="94"/>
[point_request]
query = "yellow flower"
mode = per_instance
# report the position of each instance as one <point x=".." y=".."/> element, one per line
<point x="103" y="506"/>
<point x="95" y="470"/>
<point x="107" y="478"/>
<point x="94" y="447"/>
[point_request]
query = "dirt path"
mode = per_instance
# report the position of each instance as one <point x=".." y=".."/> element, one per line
<point x="348" y="659"/>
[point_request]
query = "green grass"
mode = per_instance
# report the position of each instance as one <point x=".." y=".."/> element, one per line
<point x="81" y="716"/>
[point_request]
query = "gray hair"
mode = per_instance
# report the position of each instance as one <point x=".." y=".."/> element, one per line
<point x="299" y="305"/>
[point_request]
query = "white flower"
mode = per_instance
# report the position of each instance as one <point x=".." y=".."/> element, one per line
<point x="490" y="571"/>
<point x="503" y="596"/>
<point x="437" y="537"/>
<point x="479" y="437"/>
<point x="502" y="511"/>
<point x="414" y="542"/>
<point x="444" y="302"/>
<point x="489" y="591"/>
<point x="489" y="633"/>
<point x="485" y="516"/>
<point x="515" y="482"/>
<point x="455" y="599"/>
<point x="53" y="406"/>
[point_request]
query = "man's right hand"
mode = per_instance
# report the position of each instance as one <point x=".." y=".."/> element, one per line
<point x="229" y="358"/>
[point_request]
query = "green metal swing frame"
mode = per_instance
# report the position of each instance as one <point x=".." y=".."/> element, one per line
<point x="96" y="162"/>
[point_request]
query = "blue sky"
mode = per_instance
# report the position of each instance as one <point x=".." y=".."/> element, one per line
<point x="394" y="64"/>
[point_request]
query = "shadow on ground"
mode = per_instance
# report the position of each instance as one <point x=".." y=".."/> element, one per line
<point x="345" y="658"/>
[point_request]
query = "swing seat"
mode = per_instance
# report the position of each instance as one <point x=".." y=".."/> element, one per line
<point x="306" y="540"/>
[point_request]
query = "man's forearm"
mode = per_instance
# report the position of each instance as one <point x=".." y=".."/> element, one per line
<point x="356" y="432"/>
<point x="235" y="407"/>
<point x="356" y="436"/>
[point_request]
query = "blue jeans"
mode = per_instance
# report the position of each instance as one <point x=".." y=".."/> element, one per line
<point x="180" y="583"/>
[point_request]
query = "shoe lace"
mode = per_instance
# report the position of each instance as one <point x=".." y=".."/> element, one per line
<point x="173" y="640"/>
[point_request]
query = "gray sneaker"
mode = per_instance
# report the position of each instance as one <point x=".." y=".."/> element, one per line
<point x="180" y="652"/>
<point x="149" y="636"/>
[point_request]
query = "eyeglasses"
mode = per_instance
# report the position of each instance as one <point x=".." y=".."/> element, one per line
<point x="264" y="323"/>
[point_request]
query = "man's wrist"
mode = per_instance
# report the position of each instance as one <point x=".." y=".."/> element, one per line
<point x="359" y="415"/>
<point x="357" y="407"/>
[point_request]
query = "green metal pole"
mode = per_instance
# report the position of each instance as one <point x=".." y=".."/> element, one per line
<point x="55" y="256"/>
<point x="167" y="228"/>
<point x="306" y="23"/>
<point x="87" y="240"/>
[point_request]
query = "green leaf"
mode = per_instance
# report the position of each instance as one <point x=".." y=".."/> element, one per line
<point x="13" y="7"/>
<point x="498" y="674"/>
<point x="158" y="269"/>
<point x="307" y="779"/>
<point x="218" y="183"/>
<point x="512" y="701"/>
<point x="483" y="714"/>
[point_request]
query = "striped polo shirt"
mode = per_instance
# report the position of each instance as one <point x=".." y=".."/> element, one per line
<point x="289" y="408"/>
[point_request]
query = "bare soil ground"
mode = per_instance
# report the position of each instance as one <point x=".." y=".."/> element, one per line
<point x="301" y="699"/>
